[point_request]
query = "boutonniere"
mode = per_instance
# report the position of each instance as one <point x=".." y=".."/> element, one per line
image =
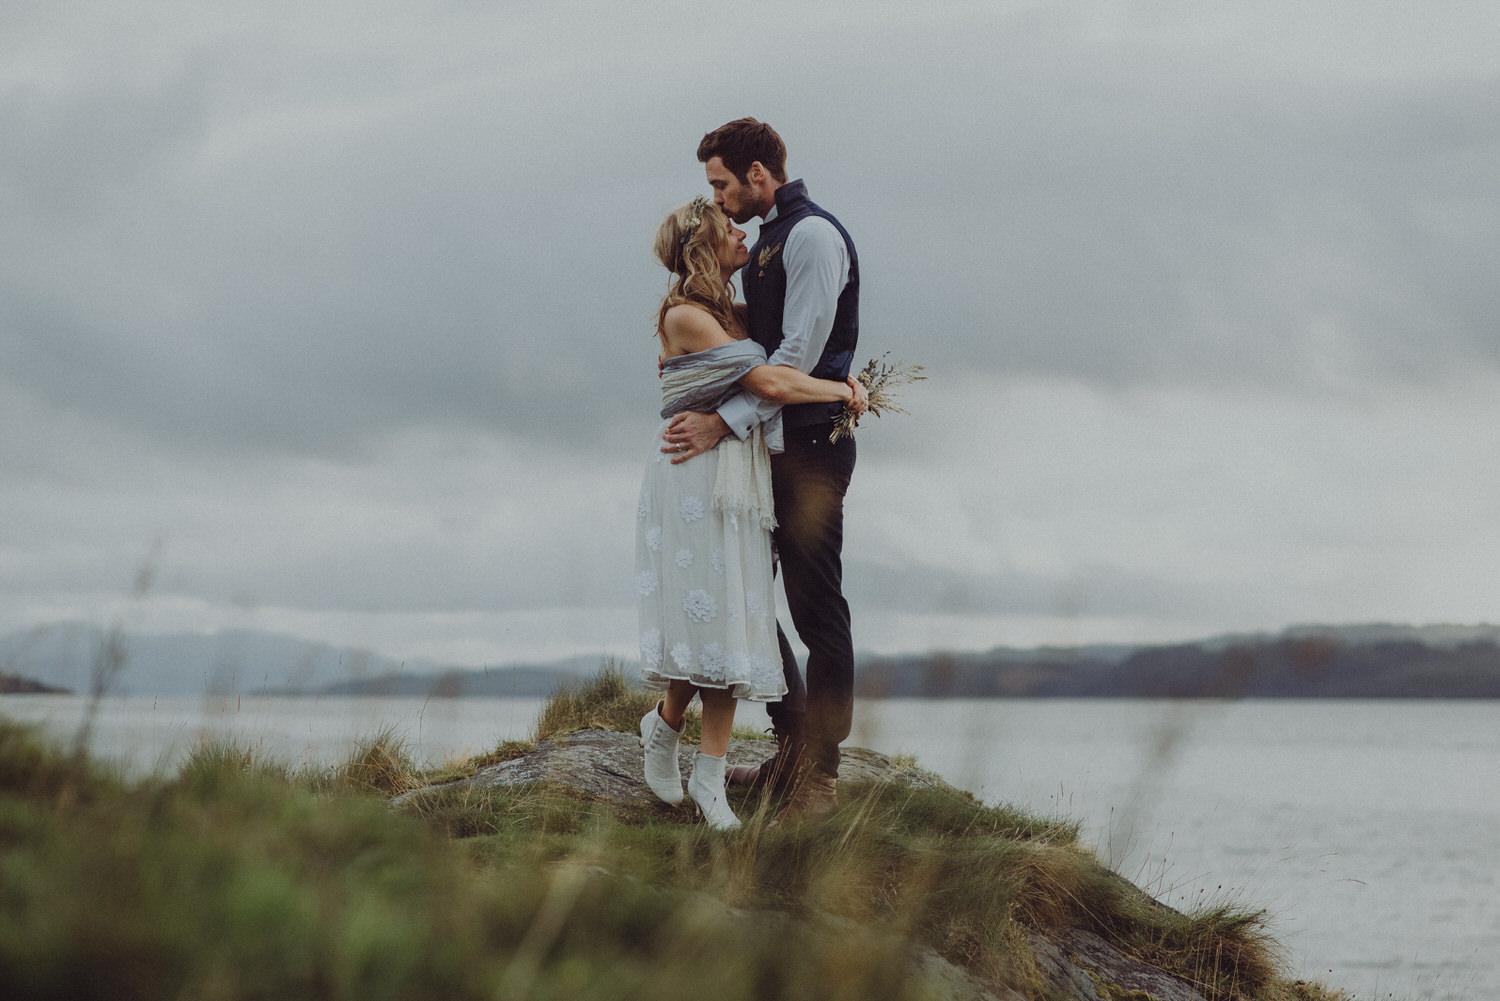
<point x="765" y="257"/>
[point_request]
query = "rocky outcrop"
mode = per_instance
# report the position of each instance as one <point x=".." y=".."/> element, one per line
<point x="606" y="765"/>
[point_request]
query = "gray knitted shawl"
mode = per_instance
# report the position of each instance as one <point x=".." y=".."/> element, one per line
<point x="702" y="382"/>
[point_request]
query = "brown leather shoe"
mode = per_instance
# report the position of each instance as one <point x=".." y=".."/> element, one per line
<point x="815" y="794"/>
<point x="776" y="774"/>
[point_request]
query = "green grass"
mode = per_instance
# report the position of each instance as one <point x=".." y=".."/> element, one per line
<point x="608" y="701"/>
<point x="240" y="877"/>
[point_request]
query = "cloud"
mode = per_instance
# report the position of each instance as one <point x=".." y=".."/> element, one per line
<point x="352" y="307"/>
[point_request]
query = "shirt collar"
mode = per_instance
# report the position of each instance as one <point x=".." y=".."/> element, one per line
<point x="789" y="192"/>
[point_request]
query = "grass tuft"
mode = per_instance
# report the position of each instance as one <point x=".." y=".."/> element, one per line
<point x="1226" y="951"/>
<point x="380" y="764"/>
<point x="508" y="750"/>
<point x="608" y="700"/>
<point x="212" y="763"/>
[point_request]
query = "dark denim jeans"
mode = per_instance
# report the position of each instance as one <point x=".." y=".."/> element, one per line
<point x="809" y="480"/>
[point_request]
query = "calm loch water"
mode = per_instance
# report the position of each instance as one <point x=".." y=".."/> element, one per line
<point x="1369" y="831"/>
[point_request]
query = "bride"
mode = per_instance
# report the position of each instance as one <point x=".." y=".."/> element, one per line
<point x="703" y="537"/>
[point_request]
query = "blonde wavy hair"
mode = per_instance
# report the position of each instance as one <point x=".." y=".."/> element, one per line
<point x="687" y="244"/>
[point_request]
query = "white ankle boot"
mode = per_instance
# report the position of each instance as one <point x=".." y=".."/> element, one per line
<point x="706" y="787"/>
<point x="660" y="742"/>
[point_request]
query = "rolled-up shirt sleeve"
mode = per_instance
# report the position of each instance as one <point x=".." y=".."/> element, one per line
<point x="817" y="269"/>
<point x="745" y="410"/>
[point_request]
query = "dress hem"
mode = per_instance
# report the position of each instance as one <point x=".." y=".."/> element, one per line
<point x="658" y="683"/>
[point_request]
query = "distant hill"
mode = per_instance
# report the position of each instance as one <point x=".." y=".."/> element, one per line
<point x="11" y="684"/>
<point x="234" y="661"/>
<point x="246" y="661"/>
<point x="494" y="682"/>
<point x="1362" y="661"/>
<point x="1351" y="662"/>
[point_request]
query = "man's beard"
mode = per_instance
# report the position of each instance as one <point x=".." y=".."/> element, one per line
<point x="766" y="206"/>
<point x="750" y="209"/>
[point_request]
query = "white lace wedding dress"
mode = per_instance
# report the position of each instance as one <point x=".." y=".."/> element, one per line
<point x="707" y="613"/>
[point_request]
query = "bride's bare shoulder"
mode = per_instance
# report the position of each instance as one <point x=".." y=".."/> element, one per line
<point x="689" y="314"/>
<point x="688" y="328"/>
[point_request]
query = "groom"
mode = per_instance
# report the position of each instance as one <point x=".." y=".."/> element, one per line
<point x="802" y="290"/>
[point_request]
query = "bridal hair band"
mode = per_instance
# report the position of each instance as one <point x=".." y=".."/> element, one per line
<point x="694" y="219"/>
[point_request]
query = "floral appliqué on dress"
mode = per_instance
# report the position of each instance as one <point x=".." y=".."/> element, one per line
<point x="699" y="605"/>
<point x="651" y="647"/>
<point x="714" y="662"/>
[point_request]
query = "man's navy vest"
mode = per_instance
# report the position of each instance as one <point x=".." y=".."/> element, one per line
<point x="764" y="281"/>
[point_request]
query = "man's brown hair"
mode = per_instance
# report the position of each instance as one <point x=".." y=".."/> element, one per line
<point x="742" y="142"/>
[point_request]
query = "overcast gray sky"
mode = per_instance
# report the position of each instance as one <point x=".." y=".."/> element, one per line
<point x="339" y="315"/>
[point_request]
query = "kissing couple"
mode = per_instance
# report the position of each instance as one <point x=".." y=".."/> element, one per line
<point x="744" y="476"/>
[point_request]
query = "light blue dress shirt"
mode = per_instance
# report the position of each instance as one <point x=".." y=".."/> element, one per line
<point x="817" y="269"/>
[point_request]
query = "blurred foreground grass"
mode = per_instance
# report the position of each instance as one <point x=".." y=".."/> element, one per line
<point x="240" y="877"/>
